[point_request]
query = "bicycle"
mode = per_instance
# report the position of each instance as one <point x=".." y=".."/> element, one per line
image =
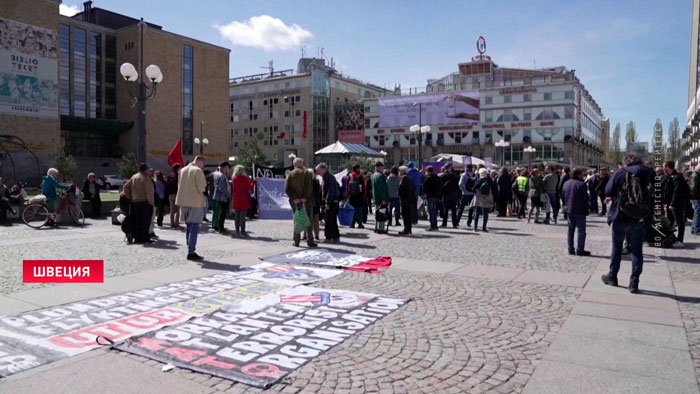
<point x="37" y="214"/>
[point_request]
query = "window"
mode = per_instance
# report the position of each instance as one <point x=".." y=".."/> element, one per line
<point x="95" y="75"/>
<point x="79" y="72"/>
<point x="527" y="114"/>
<point x="232" y="140"/>
<point x="488" y="116"/>
<point x="110" y="106"/>
<point x="475" y="138"/>
<point x="547" y="96"/>
<point x="569" y="112"/>
<point x="187" y="105"/>
<point x="64" y="70"/>
<point x="507" y="99"/>
<point x="488" y="100"/>
<point x="527" y="97"/>
<point x="569" y="95"/>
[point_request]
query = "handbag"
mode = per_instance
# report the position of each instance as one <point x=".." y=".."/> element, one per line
<point x="301" y="219"/>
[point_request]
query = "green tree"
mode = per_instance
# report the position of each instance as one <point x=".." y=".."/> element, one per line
<point x="251" y="153"/>
<point x="364" y="162"/>
<point x="615" y="145"/>
<point x="65" y="164"/>
<point x="631" y="133"/>
<point x="674" y="140"/>
<point x="128" y="166"/>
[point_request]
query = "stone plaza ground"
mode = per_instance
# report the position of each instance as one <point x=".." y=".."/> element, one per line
<point x="505" y="311"/>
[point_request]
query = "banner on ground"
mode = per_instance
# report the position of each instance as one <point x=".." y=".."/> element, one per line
<point x="434" y="109"/>
<point x="273" y="202"/>
<point x="38" y="337"/>
<point x="327" y="258"/>
<point x="260" y="341"/>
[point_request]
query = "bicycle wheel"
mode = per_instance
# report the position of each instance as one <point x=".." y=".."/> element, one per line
<point x="76" y="214"/>
<point x="35" y="215"/>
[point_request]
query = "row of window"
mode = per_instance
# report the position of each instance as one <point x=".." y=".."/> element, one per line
<point x="547" y="96"/>
<point x="546" y="113"/>
<point x="187" y="108"/>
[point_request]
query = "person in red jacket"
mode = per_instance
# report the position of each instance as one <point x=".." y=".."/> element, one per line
<point x="242" y="185"/>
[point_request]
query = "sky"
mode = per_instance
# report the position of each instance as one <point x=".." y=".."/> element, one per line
<point x="632" y="55"/>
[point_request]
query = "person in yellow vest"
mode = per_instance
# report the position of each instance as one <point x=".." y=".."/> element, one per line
<point x="522" y="186"/>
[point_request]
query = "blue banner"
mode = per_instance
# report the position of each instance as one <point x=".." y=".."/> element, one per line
<point x="273" y="202"/>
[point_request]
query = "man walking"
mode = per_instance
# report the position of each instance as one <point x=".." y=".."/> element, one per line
<point x="171" y="188"/>
<point x="631" y="206"/>
<point x="551" y="188"/>
<point x="141" y="192"/>
<point x="190" y="198"/>
<point x="576" y="201"/>
<point x="449" y="186"/>
<point x="299" y="188"/>
<point x="431" y="188"/>
<point x="695" y="199"/>
<point x="408" y="196"/>
<point x="677" y="196"/>
<point x="329" y="196"/>
<point x="221" y="197"/>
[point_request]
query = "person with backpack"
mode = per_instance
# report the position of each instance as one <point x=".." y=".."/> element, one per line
<point x="630" y="208"/>
<point x="575" y="195"/>
<point x="466" y="186"/>
<point x="171" y="188"/>
<point x="695" y="199"/>
<point x="431" y="188"/>
<point x="485" y="190"/>
<point x="357" y="194"/>
<point x="677" y="197"/>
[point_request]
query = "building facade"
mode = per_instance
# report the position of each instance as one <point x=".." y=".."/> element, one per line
<point x="94" y="117"/>
<point x="690" y="141"/>
<point x="293" y="112"/>
<point x="547" y="109"/>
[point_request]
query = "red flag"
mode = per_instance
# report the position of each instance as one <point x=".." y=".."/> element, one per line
<point x="175" y="155"/>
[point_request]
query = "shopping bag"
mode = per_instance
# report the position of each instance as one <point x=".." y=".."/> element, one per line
<point x="301" y="219"/>
<point x="509" y="210"/>
<point x="345" y="213"/>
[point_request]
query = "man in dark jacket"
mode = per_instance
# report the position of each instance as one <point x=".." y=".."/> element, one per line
<point x="564" y="177"/>
<point x="299" y="187"/>
<point x="623" y="225"/>
<point x="576" y="202"/>
<point x="91" y="192"/>
<point x="431" y="188"/>
<point x="356" y="190"/>
<point x="408" y="197"/>
<point x="505" y="192"/>
<point x="677" y="197"/>
<point x="603" y="179"/>
<point x="330" y="197"/>
<point x="449" y="186"/>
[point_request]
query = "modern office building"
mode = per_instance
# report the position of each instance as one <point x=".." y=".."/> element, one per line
<point x="690" y="144"/>
<point x="547" y="109"/>
<point x="295" y="112"/>
<point x="61" y="85"/>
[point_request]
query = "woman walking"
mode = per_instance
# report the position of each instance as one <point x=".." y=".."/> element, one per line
<point x="242" y="185"/>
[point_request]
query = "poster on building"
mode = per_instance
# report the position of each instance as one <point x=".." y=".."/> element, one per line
<point x="273" y="202"/>
<point x="460" y="106"/>
<point x="260" y="341"/>
<point x="28" y="70"/>
<point x="350" y="123"/>
<point x="327" y="258"/>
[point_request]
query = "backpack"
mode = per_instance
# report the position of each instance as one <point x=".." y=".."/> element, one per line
<point x="485" y="188"/>
<point x="355" y="187"/>
<point x="634" y="198"/>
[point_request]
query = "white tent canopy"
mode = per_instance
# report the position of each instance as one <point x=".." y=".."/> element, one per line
<point x="346" y="148"/>
<point x="456" y="160"/>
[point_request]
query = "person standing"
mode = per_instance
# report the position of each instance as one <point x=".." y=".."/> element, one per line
<point x="625" y="219"/>
<point x="4" y="202"/>
<point x="535" y="193"/>
<point x="551" y="188"/>
<point x="379" y="188"/>
<point x="564" y="177"/>
<point x="242" y="186"/>
<point x="431" y="188"/>
<point x="576" y="200"/>
<point x="299" y="188"/>
<point x="329" y="196"/>
<point x="220" y="197"/>
<point x="603" y="179"/>
<point x="171" y="188"/>
<point x="449" y="185"/>
<point x="91" y="192"/>
<point x="504" y="192"/>
<point x="695" y="199"/>
<point x="592" y="183"/>
<point x="418" y="179"/>
<point x="208" y="193"/>
<point x="484" y="191"/>
<point x="190" y="198"/>
<point x="316" y="203"/>
<point x="356" y="195"/>
<point x="522" y="184"/>
<point x="392" y="190"/>
<point x="677" y="197"/>
<point x="466" y="186"/>
<point x="161" y="198"/>
<point x="408" y="196"/>
<point x="141" y="192"/>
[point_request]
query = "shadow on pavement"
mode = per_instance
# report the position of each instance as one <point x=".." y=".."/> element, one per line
<point x="679" y="259"/>
<point x="161" y="244"/>
<point x="213" y="265"/>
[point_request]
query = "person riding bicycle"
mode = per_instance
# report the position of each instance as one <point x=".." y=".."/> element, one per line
<point x="49" y="184"/>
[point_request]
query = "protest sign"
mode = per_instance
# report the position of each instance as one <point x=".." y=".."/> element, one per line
<point x="273" y="202"/>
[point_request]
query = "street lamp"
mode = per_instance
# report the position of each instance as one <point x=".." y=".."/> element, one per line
<point x="201" y="141"/>
<point x="530" y="151"/>
<point x="503" y="144"/>
<point x="419" y="130"/>
<point x="144" y="90"/>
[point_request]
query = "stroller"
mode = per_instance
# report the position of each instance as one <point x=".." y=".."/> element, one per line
<point x="660" y="233"/>
<point x="382" y="218"/>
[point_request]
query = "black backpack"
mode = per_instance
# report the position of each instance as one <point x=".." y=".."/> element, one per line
<point x="355" y="187"/>
<point x="635" y="202"/>
<point x="485" y="188"/>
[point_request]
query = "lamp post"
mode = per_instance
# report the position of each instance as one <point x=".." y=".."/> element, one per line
<point x="530" y="151"/>
<point x="145" y="90"/>
<point x="201" y="141"/>
<point x="419" y="130"/>
<point x="503" y="144"/>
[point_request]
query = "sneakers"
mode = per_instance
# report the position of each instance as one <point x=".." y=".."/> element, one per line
<point x="633" y="288"/>
<point x="678" y="245"/>
<point x="609" y="281"/>
<point x="583" y="253"/>
<point x="194" y="257"/>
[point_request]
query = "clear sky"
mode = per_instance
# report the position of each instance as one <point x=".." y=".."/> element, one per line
<point x="632" y="55"/>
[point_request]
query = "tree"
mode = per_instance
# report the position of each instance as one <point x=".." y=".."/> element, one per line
<point x="128" y="166"/>
<point x="615" y="145"/>
<point x="65" y="164"/>
<point x="674" y="140"/>
<point x="363" y="160"/>
<point x="631" y="134"/>
<point x="251" y="153"/>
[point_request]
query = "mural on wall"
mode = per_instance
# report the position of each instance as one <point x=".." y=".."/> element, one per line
<point x="28" y="70"/>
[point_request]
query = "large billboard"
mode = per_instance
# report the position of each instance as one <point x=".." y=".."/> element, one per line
<point x="460" y="106"/>
<point x="350" y="123"/>
<point x="28" y="70"/>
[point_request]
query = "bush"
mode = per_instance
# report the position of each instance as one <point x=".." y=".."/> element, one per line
<point x="128" y="166"/>
<point x="65" y="164"/>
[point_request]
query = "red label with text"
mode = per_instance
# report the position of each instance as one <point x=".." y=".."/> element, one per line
<point x="63" y="271"/>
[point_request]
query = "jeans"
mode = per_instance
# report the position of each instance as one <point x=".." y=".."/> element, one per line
<point x="678" y="216"/>
<point x="464" y="202"/>
<point x="449" y="205"/>
<point x="432" y="212"/>
<point x="191" y="236"/>
<point x="577" y="222"/>
<point x="359" y="216"/>
<point x="635" y="231"/>
<point x="478" y="212"/>
<point x="395" y="207"/>
<point x="696" y="216"/>
<point x="554" y="203"/>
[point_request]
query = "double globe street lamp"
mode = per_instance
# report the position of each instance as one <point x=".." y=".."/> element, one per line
<point x="503" y="144"/>
<point x="418" y="130"/>
<point x="201" y="141"/>
<point x="530" y="150"/>
<point x="144" y="90"/>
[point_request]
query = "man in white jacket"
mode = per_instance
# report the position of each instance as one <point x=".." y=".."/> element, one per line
<point x="190" y="198"/>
